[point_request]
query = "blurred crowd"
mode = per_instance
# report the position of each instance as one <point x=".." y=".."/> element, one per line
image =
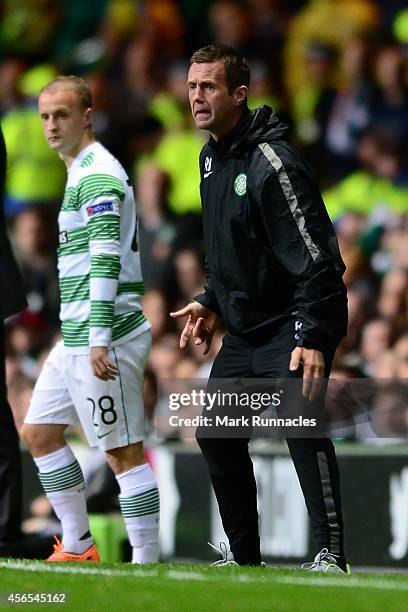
<point x="335" y="70"/>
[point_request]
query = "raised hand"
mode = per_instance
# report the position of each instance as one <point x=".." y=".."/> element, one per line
<point x="201" y="324"/>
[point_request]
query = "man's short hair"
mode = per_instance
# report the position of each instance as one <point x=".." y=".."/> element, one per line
<point x="77" y="84"/>
<point x="237" y="70"/>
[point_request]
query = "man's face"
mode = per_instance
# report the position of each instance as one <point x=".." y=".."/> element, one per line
<point x="213" y="107"/>
<point x="64" y="120"/>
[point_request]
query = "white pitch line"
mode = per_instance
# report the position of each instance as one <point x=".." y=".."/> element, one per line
<point x="337" y="581"/>
<point x="185" y="575"/>
<point x="348" y="582"/>
<point x="235" y="576"/>
<point x="70" y="569"/>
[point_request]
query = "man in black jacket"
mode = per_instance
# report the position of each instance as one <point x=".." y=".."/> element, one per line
<point x="274" y="274"/>
<point x="12" y="301"/>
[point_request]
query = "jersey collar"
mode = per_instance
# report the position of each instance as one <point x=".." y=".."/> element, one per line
<point x="83" y="153"/>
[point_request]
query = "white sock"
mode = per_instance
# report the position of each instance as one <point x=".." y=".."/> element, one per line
<point x="139" y="501"/>
<point x="63" y="482"/>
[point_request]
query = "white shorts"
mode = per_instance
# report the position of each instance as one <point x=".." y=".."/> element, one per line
<point x="110" y="412"/>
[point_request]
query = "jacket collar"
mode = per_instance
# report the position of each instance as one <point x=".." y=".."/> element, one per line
<point x="223" y="146"/>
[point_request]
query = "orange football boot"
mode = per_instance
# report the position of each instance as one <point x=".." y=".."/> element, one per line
<point x="91" y="554"/>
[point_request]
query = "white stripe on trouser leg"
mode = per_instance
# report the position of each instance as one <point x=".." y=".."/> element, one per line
<point x="139" y="501"/>
<point x="329" y="503"/>
<point x="63" y="482"/>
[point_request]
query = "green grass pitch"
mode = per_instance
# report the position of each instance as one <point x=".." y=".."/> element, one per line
<point x="199" y="588"/>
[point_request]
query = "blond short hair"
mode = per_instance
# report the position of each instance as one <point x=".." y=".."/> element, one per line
<point x="77" y="84"/>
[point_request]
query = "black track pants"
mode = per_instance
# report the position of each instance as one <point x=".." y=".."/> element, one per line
<point x="10" y="464"/>
<point x="230" y="465"/>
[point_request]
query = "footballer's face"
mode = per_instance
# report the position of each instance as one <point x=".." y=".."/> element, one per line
<point x="213" y="107"/>
<point x="65" y="122"/>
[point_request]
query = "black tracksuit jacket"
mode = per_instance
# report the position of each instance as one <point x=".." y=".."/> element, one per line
<point x="271" y="251"/>
<point x="13" y="298"/>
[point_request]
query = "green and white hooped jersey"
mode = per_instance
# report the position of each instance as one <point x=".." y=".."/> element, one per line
<point x="99" y="266"/>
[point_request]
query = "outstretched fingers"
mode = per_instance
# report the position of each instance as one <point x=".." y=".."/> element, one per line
<point x="186" y="333"/>
<point x="199" y="332"/>
<point x="181" y="313"/>
<point x="202" y="334"/>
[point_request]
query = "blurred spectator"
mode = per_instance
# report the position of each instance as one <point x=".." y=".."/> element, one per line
<point x="231" y="24"/>
<point x="28" y="27"/>
<point x="380" y="182"/>
<point x="270" y="21"/>
<point x="20" y="391"/>
<point x="376" y="338"/>
<point x="157" y="226"/>
<point x="346" y="401"/>
<point x="11" y="70"/>
<point x="177" y="151"/>
<point x="149" y="397"/>
<point x="170" y="105"/>
<point x="400" y="350"/>
<point x="177" y="154"/>
<point x="349" y="114"/>
<point x="359" y="312"/>
<point x="78" y="21"/>
<point x="349" y="229"/>
<point x="385" y="366"/>
<point x="265" y="88"/>
<point x="165" y="18"/>
<point x="392" y="299"/>
<point x="164" y="357"/>
<point x="156" y="310"/>
<point x="27" y="334"/>
<point x="389" y="412"/>
<point x="313" y="102"/>
<point x="186" y="368"/>
<point x="401" y="347"/>
<point x="332" y="22"/>
<point x="139" y="75"/>
<point x="35" y="243"/>
<point x="189" y="274"/>
<point x="103" y="115"/>
<point x="389" y="105"/>
<point x="35" y="174"/>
